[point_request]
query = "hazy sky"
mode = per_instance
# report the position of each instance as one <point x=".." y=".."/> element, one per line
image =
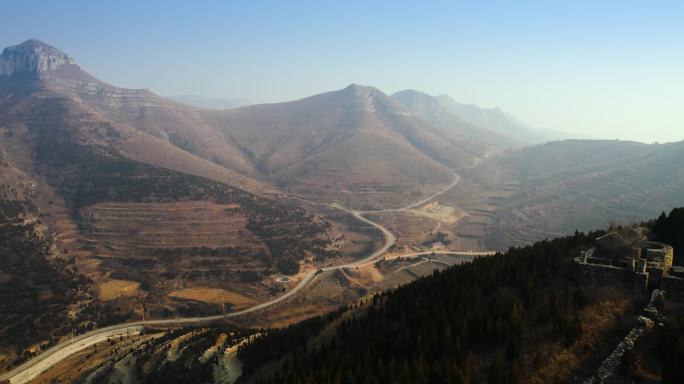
<point x="611" y="69"/>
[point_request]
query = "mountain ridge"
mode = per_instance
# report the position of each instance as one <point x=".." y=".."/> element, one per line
<point x="209" y="102"/>
<point x="493" y="119"/>
<point x="267" y="145"/>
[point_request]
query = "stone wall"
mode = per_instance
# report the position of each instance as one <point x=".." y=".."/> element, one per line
<point x="660" y="253"/>
<point x="655" y="274"/>
<point x="639" y="274"/>
<point x="604" y="275"/>
<point x="674" y="287"/>
<point x="611" y="364"/>
<point x="640" y="282"/>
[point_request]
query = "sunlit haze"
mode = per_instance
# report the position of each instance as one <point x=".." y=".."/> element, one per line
<point x="610" y="69"/>
<point x="341" y="192"/>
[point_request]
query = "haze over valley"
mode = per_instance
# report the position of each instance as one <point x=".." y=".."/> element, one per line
<point x="352" y="235"/>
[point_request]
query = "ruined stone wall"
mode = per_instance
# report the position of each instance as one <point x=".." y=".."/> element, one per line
<point x="648" y="318"/>
<point x="655" y="275"/>
<point x="669" y="258"/>
<point x="660" y="252"/>
<point x="640" y="282"/>
<point x="604" y="275"/>
<point x="674" y="287"/>
<point x="632" y="272"/>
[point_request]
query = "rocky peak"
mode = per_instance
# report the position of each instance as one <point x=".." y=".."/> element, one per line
<point x="368" y="99"/>
<point x="416" y="100"/>
<point x="32" y="56"/>
<point x="357" y="90"/>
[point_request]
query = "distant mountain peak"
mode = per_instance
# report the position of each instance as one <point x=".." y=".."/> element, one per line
<point x="32" y="56"/>
<point x="412" y="92"/>
<point x="493" y="119"/>
<point x="415" y="99"/>
<point x="370" y="99"/>
<point x="35" y="43"/>
<point x="354" y="87"/>
<point x="358" y="89"/>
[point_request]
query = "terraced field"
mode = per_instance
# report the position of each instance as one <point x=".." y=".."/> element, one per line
<point x="157" y="225"/>
<point x="556" y="188"/>
<point x="170" y="246"/>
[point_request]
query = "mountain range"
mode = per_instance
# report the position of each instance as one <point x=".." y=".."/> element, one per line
<point x="441" y="108"/>
<point x="210" y="102"/>
<point x="325" y="142"/>
<point x="357" y="147"/>
<point x="147" y="205"/>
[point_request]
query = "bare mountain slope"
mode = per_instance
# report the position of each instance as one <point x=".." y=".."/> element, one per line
<point x="484" y="124"/>
<point x="555" y="188"/>
<point x="148" y="128"/>
<point x="120" y="206"/>
<point x="356" y="145"/>
<point x="440" y="113"/>
<point x="176" y="123"/>
<point x="210" y="102"/>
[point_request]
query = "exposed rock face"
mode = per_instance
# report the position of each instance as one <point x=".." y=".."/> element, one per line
<point x="32" y="56"/>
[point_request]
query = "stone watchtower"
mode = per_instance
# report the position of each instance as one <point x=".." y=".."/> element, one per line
<point x="639" y="264"/>
<point x="640" y="282"/>
<point x="658" y="261"/>
<point x="663" y="254"/>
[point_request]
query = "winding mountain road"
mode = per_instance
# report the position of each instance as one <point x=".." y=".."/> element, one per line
<point x="457" y="178"/>
<point x="41" y="363"/>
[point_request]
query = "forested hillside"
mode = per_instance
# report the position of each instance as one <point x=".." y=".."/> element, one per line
<point x="516" y="317"/>
<point x="483" y="320"/>
<point x="42" y="297"/>
<point x="670" y="229"/>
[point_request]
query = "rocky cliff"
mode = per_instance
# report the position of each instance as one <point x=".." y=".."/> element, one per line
<point x="32" y="56"/>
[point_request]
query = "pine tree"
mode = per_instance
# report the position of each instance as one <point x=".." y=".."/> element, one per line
<point x="497" y="371"/>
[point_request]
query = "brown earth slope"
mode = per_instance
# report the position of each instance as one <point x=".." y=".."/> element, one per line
<point x="134" y="217"/>
<point x="356" y="145"/>
<point x="551" y="189"/>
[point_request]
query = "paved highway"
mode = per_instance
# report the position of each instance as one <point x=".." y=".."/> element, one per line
<point x="39" y="364"/>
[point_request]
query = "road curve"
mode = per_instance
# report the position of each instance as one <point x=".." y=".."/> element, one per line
<point x="61" y="351"/>
<point x="41" y="363"/>
<point x="457" y="178"/>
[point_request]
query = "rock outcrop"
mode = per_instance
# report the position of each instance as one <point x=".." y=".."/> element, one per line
<point x="32" y="56"/>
